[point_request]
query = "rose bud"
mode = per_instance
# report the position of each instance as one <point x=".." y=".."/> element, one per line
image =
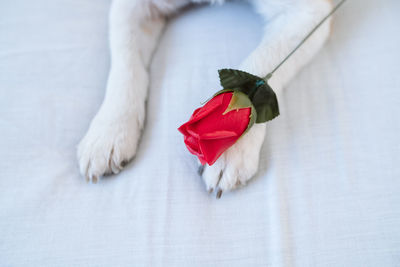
<point x="217" y="125"/>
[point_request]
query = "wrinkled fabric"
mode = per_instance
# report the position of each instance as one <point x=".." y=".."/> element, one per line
<point x="327" y="192"/>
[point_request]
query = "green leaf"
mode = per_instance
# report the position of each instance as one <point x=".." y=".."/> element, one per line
<point x="255" y="88"/>
<point x="238" y="101"/>
<point x="222" y="91"/>
<point x="265" y="103"/>
<point x="231" y="78"/>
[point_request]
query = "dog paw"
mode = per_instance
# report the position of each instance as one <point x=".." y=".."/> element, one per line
<point x="109" y="144"/>
<point x="237" y="165"/>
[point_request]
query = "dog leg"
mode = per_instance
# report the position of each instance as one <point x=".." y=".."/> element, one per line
<point x="287" y="25"/>
<point x="113" y="135"/>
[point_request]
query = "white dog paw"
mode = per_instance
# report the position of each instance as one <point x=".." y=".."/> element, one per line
<point x="237" y="165"/>
<point x="109" y="144"/>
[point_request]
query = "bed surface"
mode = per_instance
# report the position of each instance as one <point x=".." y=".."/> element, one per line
<point x="328" y="189"/>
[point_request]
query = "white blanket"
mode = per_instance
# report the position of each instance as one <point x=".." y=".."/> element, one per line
<point x="328" y="189"/>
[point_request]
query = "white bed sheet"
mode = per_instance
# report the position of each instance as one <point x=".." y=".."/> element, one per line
<point x="328" y="189"/>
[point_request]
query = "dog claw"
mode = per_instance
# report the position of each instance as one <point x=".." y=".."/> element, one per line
<point x="219" y="194"/>
<point x="94" y="179"/>
<point x="123" y="164"/>
<point x="200" y="170"/>
<point x="210" y="190"/>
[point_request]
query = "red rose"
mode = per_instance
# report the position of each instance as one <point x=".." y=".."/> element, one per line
<point x="217" y="125"/>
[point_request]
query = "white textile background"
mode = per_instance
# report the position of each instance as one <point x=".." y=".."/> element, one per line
<point x="328" y="189"/>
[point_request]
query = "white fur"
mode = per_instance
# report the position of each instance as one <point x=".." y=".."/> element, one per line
<point x="135" y="26"/>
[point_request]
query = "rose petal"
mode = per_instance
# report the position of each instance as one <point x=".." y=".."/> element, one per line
<point x="192" y="145"/>
<point x="218" y="135"/>
<point x="202" y="159"/>
<point x="191" y="131"/>
<point x="209" y="107"/>
<point x="210" y="131"/>
<point x="213" y="148"/>
<point x="182" y="129"/>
